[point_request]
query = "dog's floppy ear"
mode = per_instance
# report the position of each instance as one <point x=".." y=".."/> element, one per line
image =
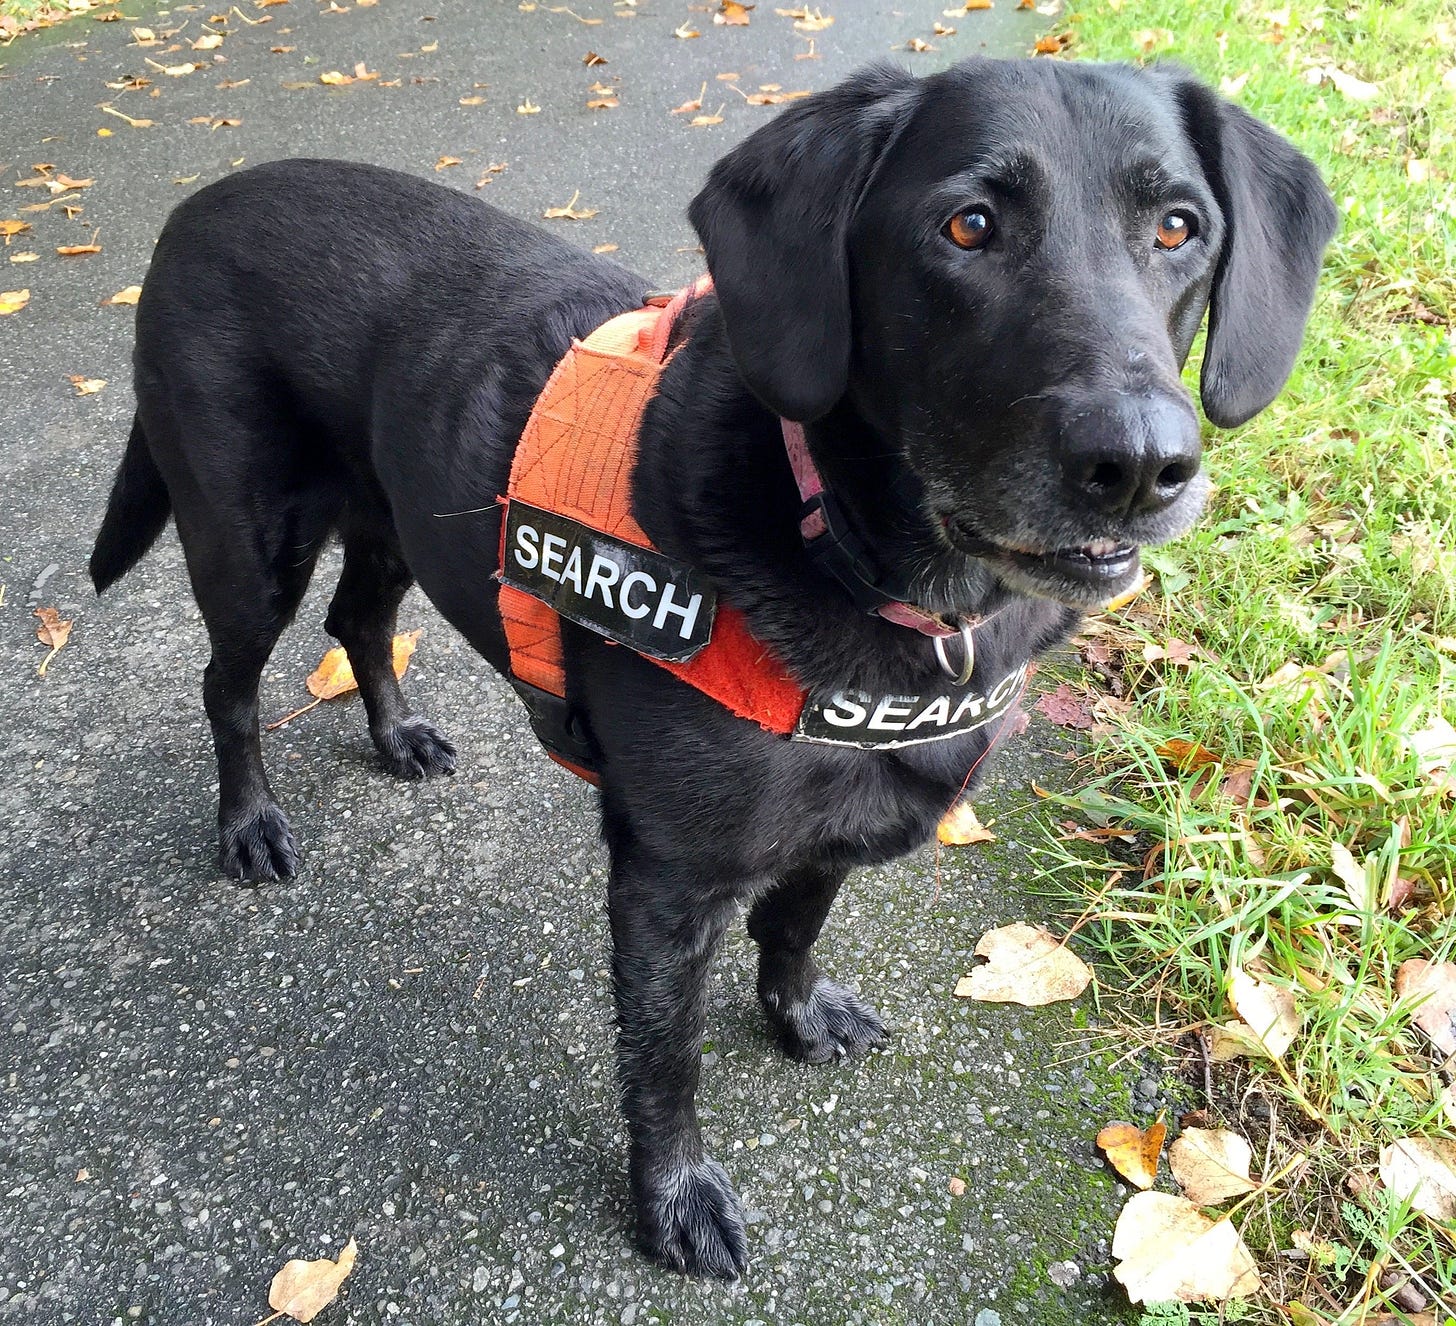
<point x="774" y="217"/>
<point x="1278" y="217"/>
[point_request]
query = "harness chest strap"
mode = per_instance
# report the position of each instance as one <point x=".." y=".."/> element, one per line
<point x="576" y="459"/>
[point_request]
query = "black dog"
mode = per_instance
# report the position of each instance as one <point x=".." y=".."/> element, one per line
<point x="977" y="289"/>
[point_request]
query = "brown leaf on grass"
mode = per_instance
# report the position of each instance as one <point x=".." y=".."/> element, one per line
<point x="12" y="301"/>
<point x="1048" y="45"/>
<point x="732" y="14"/>
<point x="1434" y="747"/>
<point x="1187" y="755"/>
<point x="1269" y="1021"/>
<point x="1177" y="652"/>
<point x="1211" y="1165"/>
<point x="86" y="386"/>
<point x="1169" y="1251"/>
<point x="1434" y="986"/>
<point x="1066" y="708"/>
<point x="1132" y="1152"/>
<point x="129" y="295"/>
<point x="959" y="827"/>
<point x="571" y="212"/>
<point x="53" y="632"/>
<point x="1422" y="1169"/>
<point x="1025" y="965"/>
<point x="304" y="1289"/>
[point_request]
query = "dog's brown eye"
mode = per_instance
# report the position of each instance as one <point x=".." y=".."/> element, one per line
<point x="970" y="229"/>
<point x="1173" y="230"/>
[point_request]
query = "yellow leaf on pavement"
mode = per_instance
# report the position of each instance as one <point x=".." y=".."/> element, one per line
<point x="334" y="677"/>
<point x="1211" y="1165"/>
<point x="1025" y="965"/>
<point x="304" y="1289"/>
<point x="130" y="295"/>
<point x="12" y="301"/>
<point x="1132" y="1152"/>
<point x="1170" y="1252"/>
<point x="959" y="827"/>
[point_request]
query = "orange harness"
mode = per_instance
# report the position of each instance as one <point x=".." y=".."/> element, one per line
<point x="576" y="458"/>
<point x="571" y="547"/>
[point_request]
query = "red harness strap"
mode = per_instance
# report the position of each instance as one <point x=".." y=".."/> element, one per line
<point x="576" y="457"/>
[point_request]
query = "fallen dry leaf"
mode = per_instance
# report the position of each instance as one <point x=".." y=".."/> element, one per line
<point x="1211" y="1165"/>
<point x="1025" y="965"/>
<point x="1066" y="708"/>
<point x="1269" y="1021"/>
<point x="1170" y="1252"/>
<point x="943" y="29"/>
<point x="304" y="1289"/>
<point x="528" y="107"/>
<point x="688" y="107"/>
<point x="604" y="248"/>
<point x="1422" y="1169"/>
<point x="444" y="163"/>
<point x="918" y="44"/>
<point x="472" y="101"/>
<point x="25" y="256"/>
<point x="686" y="32"/>
<point x="86" y="386"/>
<point x="1132" y="1152"/>
<point x="1434" y="747"/>
<point x="571" y="212"/>
<point x="9" y="229"/>
<point x="53" y="632"/>
<point x="1187" y="755"/>
<point x="1049" y="46"/>
<point x="1360" y="888"/>
<point x="602" y="103"/>
<point x="334" y="677"/>
<point x="700" y="121"/>
<point x="12" y="301"/>
<point x="491" y="171"/>
<point x="1434" y="986"/>
<point x="130" y="295"/>
<point x="806" y="19"/>
<point x="77" y="250"/>
<point x="1347" y="85"/>
<point x="209" y="41"/>
<point x="959" y="827"/>
<point x="732" y="14"/>
<point x="591" y="59"/>
<point x="334" y="78"/>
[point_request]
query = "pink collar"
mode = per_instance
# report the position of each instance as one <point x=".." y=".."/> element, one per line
<point x="814" y="526"/>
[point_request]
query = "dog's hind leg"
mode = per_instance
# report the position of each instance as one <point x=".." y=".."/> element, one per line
<point x="248" y="584"/>
<point x="362" y="619"/>
<point x="815" y="1019"/>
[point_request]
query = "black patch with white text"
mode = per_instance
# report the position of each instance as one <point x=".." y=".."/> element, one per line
<point x="853" y="718"/>
<point x="630" y="594"/>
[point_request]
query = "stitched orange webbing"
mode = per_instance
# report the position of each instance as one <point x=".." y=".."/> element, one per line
<point x="576" y="457"/>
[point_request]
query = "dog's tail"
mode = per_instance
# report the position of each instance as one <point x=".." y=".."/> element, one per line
<point x="135" y="516"/>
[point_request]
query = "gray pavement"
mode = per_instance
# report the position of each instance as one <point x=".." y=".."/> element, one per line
<point x="410" y="1043"/>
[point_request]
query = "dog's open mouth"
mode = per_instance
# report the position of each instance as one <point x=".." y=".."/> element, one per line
<point x="1103" y="564"/>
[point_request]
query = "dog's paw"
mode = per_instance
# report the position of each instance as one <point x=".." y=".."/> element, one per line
<point x="830" y="1023"/>
<point x="415" y="748"/>
<point x="692" y="1221"/>
<point x="258" y="847"/>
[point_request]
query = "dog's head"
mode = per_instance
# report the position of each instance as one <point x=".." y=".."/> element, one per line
<point x="1000" y="269"/>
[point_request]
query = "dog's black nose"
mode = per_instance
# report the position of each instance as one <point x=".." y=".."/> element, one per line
<point x="1132" y="456"/>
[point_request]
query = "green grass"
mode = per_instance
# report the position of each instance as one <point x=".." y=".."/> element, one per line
<point x="1329" y="551"/>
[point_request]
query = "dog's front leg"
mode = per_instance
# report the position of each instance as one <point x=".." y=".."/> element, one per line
<point x="664" y="935"/>
<point x="816" y="1019"/>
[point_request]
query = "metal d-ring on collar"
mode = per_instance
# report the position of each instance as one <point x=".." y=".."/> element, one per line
<point x="962" y="674"/>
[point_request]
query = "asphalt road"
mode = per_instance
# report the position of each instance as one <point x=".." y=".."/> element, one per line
<point x="409" y="1043"/>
